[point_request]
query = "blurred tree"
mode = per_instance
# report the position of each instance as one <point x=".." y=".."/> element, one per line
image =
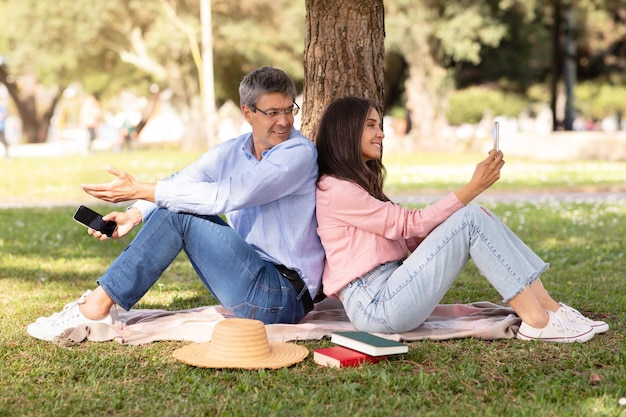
<point x="251" y="33"/>
<point x="137" y="44"/>
<point x="344" y="55"/>
<point x="27" y="60"/>
<point x="518" y="61"/>
<point x="602" y="41"/>
<point x="121" y="44"/>
<point x="48" y="46"/>
<point x="600" y="28"/>
<point x="433" y="36"/>
<point x="533" y="50"/>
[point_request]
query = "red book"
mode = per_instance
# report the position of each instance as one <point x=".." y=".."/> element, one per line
<point x="341" y="357"/>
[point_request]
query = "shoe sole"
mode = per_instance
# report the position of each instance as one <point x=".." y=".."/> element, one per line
<point x="34" y="329"/>
<point x="602" y="328"/>
<point x="31" y="330"/>
<point x="581" y="338"/>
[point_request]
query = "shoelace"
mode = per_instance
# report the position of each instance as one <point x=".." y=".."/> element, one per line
<point x="563" y="324"/>
<point x="574" y="314"/>
<point x="62" y="315"/>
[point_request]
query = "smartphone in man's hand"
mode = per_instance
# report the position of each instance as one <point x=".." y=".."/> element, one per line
<point x="93" y="220"/>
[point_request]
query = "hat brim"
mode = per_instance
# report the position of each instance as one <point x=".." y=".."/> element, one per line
<point x="281" y="355"/>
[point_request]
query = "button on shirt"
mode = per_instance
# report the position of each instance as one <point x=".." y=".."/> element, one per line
<point x="270" y="203"/>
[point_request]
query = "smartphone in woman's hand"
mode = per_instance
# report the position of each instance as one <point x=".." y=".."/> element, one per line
<point x="496" y="136"/>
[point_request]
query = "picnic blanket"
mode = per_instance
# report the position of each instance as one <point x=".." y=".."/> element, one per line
<point x="482" y="320"/>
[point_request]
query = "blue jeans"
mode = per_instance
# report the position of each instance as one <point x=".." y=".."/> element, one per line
<point x="399" y="296"/>
<point x="232" y="270"/>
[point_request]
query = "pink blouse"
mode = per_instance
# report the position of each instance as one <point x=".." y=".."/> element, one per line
<point x="359" y="232"/>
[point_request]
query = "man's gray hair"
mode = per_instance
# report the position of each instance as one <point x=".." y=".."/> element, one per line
<point x="265" y="80"/>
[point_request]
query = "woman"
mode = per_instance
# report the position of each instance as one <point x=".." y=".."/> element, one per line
<point x="390" y="266"/>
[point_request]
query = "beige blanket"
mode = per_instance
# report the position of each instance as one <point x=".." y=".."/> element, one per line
<point x="483" y="320"/>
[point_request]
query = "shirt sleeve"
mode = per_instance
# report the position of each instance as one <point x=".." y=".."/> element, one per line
<point x="145" y="207"/>
<point x="354" y="206"/>
<point x="228" y="179"/>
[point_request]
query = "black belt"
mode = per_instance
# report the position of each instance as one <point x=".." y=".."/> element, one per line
<point x="298" y="284"/>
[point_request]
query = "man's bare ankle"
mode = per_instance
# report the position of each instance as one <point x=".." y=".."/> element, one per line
<point x="92" y="313"/>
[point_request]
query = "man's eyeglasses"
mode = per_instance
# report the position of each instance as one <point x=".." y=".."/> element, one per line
<point x="272" y="113"/>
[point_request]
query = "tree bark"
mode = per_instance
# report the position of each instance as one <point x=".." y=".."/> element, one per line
<point x="344" y="55"/>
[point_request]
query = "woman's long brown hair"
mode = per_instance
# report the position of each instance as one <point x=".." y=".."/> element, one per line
<point x="338" y="142"/>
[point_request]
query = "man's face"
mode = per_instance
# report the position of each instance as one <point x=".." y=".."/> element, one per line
<point x="268" y="131"/>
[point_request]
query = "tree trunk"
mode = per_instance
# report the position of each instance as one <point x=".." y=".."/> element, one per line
<point x="149" y="111"/>
<point x="43" y="126"/>
<point x="569" y="66"/>
<point x="344" y="54"/>
<point x="427" y="93"/>
<point x="35" y="124"/>
<point x="556" y="66"/>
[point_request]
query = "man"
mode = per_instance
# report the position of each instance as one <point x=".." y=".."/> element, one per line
<point x="90" y="115"/>
<point x="265" y="265"/>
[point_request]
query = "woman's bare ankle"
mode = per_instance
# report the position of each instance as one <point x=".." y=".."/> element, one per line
<point x="538" y="321"/>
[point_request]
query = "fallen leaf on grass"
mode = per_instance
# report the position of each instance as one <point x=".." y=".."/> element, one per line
<point x="594" y="378"/>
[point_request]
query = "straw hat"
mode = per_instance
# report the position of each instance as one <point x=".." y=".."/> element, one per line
<point x="241" y="343"/>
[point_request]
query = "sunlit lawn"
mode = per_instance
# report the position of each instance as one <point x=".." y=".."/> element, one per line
<point x="436" y="172"/>
<point x="47" y="260"/>
<point x="53" y="181"/>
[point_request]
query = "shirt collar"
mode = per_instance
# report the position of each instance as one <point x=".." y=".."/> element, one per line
<point x="248" y="148"/>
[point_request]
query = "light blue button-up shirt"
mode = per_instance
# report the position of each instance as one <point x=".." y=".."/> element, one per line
<point x="270" y="203"/>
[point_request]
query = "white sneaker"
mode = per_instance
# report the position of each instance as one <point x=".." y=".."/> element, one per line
<point x="47" y="328"/>
<point x="557" y="330"/>
<point x="568" y="313"/>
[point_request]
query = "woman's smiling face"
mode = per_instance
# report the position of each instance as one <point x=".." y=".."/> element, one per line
<point x="372" y="137"/>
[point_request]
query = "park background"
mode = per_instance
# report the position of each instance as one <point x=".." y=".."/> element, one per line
<point x="562" y="191"/>
<point x="442" y="70"/>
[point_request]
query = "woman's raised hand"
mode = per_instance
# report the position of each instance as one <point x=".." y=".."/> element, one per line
<point x="487" y="172"/>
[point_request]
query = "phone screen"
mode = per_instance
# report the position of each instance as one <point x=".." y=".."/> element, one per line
<point x="496" y="136"/>
<point x="90" y="218"/>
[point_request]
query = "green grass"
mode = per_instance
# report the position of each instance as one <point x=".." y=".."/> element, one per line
<point x="436" y="172"/>
<point x="48" y="260"/>
<point x="54" y="181"/>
